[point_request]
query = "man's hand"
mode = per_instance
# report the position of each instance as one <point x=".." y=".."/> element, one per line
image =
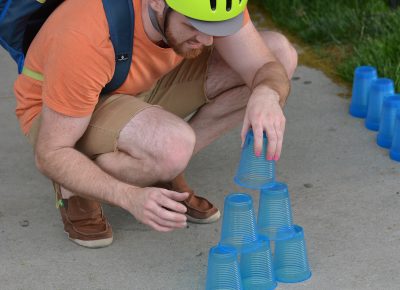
<point x="158" y="208"/>
<point x="264" y="113"/>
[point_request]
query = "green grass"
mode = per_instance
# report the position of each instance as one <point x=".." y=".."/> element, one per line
<point x="347" y="32"/>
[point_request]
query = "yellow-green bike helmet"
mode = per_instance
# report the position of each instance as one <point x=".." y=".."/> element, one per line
<point x="212" y="17"/>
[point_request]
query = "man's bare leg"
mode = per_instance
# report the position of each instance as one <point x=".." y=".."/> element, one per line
<point x="154" y="146"/>
<point x="230" y="95"/>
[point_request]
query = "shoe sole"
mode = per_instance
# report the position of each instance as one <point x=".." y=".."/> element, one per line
<point x="92" y="244"/>
<point x="211" y="219"/>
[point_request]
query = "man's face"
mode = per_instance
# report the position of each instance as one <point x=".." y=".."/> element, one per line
<point x="183" y="38"/>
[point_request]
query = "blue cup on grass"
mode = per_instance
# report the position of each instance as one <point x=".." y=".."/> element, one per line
<point x="290" y="258"/>
<point x="223" y="269"/>
<point x="363" y="78"/>
<point x="380" y="89"/>
<point x="238" y="221"/>
<point x="256" y="266"/>
<point x="274" y="213"/>
<point x="390" y="107"/>
<point x="395" y="150"/>
<point x="254" y="172"/>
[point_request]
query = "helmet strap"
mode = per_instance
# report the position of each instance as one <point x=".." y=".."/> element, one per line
<point x="156" y="24"/>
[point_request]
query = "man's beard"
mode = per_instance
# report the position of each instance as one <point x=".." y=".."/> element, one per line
<point x="178" y="47"/>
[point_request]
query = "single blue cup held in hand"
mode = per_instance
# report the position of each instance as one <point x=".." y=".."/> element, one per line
<point x="238" y="221"/>
<point x="391" y="106"/>
<point x="223" y="269"/>
<point x="274" y="213"/>
<point x="290" y="258"/>
<point x="256" y="266"/>
<point x="363" y="78"/>
<point x="254" y="172"/>
<point x="395" y="150"/>
<point x="380" y="89"/>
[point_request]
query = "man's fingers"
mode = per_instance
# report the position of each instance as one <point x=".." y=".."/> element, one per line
<point x="167" y="223"/>
<point x="158" y="227"/>
<point x="245" y="129"/>
<point x="280" y="132"/>
<point x="169" y="215"/>
<point x="272" y="141"/>
<point x="170" y="199"/>
<point x="178" y="196"/>
<point x="258" y="140"/>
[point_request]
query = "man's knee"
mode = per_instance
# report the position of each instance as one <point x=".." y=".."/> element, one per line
<point x="176" y="151"/>
<point x="161" y="141"/>
<point x="282" y="49"/>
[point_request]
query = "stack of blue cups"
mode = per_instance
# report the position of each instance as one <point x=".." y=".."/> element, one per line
<point x="375" y="100"/>
<point x="275" y="221"/>
<point x="249" y="239"/>
<point x="239" y="236"/>
<point x="395" y="149"/>
<point x="391" y="106"/>
<point x="380" y="89"/>
<point x="363" y="78"/>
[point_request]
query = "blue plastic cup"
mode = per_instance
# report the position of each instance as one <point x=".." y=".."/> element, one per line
<point x="395" y="150"/>
<point x="254" y="172"/>
<point x="290" y="258"/>
<point x="380" y="89"/>
<point x="238" y="221"/>
<point x="274" y="213"/>
<point x="223" y="269"/>
<point x="256" y="266"/>
<point x="363" y="78"/>
<point x="390" y="107"/>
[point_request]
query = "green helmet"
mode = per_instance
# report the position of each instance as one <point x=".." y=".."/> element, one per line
<point x="213" y="17"/>
<point x="208" y="10"/>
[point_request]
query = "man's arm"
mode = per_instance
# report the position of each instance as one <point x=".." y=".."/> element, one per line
<point x="56" y="158"/>
<point x="247" y="54"/>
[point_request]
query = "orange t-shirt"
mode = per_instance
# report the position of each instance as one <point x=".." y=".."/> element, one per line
<point x="74" y="53"/>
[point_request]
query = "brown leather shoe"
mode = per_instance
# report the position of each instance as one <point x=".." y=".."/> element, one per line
<point x="199" y="209"/>
<point x="84" y="221"/>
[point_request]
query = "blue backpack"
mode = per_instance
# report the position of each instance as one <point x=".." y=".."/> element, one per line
<point x="20" y="20"/>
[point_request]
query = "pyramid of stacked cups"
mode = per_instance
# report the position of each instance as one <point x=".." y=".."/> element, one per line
<point x="375" y="100"/>
<point x="243" y="258"/>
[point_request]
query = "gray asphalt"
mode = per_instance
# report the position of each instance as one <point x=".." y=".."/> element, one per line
<point x="344" y="193"/>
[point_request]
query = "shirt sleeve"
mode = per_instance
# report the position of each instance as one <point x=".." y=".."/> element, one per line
<point x="75" y="72"/>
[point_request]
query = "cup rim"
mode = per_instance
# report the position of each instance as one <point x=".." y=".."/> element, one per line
<point x="250" y="185"/>
<point x="262" y="241"/>
<point x="288" y="233"/>
<point x="383" y="82"/>
<point x="392" y="100"/>
<point x="275" y="187"/>
<point x="365" y="71"/>
<point x="223" y="250"/>
<point x="239" y="199"/>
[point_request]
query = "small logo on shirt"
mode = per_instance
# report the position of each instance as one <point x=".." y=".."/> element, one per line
<point x="123" y="57"/>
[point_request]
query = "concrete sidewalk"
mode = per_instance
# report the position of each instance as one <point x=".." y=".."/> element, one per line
<point x="344" y="192"/>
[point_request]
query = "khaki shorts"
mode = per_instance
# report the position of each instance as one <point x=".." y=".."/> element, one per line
<point x="181" y="92"/>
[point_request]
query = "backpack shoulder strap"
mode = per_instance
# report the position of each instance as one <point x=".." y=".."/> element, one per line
<point x="121" y="21"/>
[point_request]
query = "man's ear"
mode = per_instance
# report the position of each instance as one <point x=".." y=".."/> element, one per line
<point x="157" y="5"/>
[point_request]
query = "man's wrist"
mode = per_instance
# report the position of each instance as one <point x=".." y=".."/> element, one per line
<point x="267" y="92"/>
<point x="273" y="76"/>
<point x="122" y="195"/>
